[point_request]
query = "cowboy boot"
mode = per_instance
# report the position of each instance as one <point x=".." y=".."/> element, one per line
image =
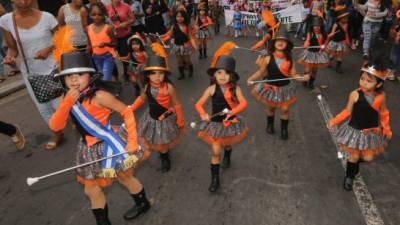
<point x="338" y="67"/>
<point x="311" y="83"/>
<point x="190" y="70"/>
<point x="101" y="216"/>
<point x="200" y="53"/>
<point x="270" y="124"/>
<point x="205" y="52"/>
<point x="214" y="178"/>
<point x="181" y="72"/>
<point x="351" y="171"/>
<point x="165" y="162"/>
<point x="141" y="206"/>
<point x="226" y="161"/>
<point x="284" y="129"/>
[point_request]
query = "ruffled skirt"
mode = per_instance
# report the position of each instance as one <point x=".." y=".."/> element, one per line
<point x="337" y="48"/>
<point x="218" y="133"/>
<point x="313" y="59"/>
<point x="365" y="142"/>
<point x="159" y="135"/>
<point x="203" y="33"/>
<point x="181" y="49"/>
<point x="275" y="96"/>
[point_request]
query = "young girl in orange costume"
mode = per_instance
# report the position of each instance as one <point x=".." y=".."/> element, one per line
<point x="86" y="99"/>
<point x="137" y="58"/>
<point x="201" y="25"/>
<point x="183" y="43"/>
<point x="278" y="94"/>
<point x="224" y="130"/>
<point x="365" y="121"/>
<point x="314" y="57"/>
<point x="162" y="125"/>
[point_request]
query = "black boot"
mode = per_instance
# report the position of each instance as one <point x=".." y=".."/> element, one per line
<point x="214" y="178"/>
<point x="200" y="53"/>
<point x="165" y="162"/>
<point x="270" y="124"/>
<point x="226" y="161"/>
<point x="137" y="90"/>
<point x="351" y="172"/>
<point x="190" y="70"/>
<point x="101" y="216"/>
<point x="284" y="129"/>
<point x="205" y="52"/>
<point x="338" y="67"/>
<point x="311" y="83"/>
<point x="142" y="205"/>
<point x="181" y="72"/>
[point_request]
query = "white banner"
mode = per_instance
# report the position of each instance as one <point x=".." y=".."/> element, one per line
<point x="292" y="14"/>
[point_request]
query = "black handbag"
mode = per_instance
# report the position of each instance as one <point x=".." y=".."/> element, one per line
<point x="45" y="87"/>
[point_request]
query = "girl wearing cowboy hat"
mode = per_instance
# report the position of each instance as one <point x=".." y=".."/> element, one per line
<point x="314" y="57"/>
<point x="278" y="94"/>
<point x="224" y="130"/>
<point x="161" y="127"/>
<point x="338" y="41"/>
<point x="364" y="123"/>
<point x="89" y="104"/>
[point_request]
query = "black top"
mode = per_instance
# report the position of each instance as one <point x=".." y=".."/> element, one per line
<point x="275" y="73"/>
<point x="314" y="42"/>
<point x="340" y="35"/>
<point x="156" y="110"/>
<point x="219" y="103"/>
<point x="180" y="37"/>
<point x="363" y="115"/>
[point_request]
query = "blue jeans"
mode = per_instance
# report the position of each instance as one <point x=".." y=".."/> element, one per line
<point x="394" y="57"/>
<point x="105" y="64"/>
<point x="370" y="30"/>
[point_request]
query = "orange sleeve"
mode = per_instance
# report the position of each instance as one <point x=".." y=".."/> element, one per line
<point x="199" y="107"/>
<point x="339" y="118"/>
<point x="137" y="103"/>
<point x="167" y="36"/>
<point x="179" y="115"/>
<point x="209" y="21"/>
<point x="59" y="119"/>
<point x="130" y="127"/>
<point x="385" y="118"/>
<point x="307" y="43"/>
<point x="239" y="108"/>
<point x="257" y="45"/>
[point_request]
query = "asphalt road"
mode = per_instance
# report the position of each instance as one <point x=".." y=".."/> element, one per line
<point x="294" y="182"/>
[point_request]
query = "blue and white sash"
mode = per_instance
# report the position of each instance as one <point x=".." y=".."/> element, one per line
<point x="113" y="143"/>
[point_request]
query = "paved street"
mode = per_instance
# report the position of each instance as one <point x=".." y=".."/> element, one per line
<point x="271" y="182"/>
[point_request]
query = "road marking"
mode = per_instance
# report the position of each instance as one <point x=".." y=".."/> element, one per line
<point x="364" y="198"/>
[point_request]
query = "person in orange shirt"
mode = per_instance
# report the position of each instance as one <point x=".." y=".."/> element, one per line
<point x="364" y="125"/>
<point x="224" y="127"/>
<point x="162" y="125"/>
<point x="90" y="103"/>
<point x="277" y="90"/>
<point x="102" y="40"/>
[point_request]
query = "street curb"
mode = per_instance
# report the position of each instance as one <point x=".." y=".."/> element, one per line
<point x="11" y="88"/>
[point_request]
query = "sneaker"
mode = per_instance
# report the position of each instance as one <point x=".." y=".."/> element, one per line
<point x="18" y="139"/>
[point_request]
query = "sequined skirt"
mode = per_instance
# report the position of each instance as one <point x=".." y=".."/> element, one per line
<point x="203" y="33"/>
<point x="334" y="47"/>
<point x="217" y="132"/>
<point x="159" y="135"/>
<point x="181" y="49"/>
<point x="360" y="140"/>
<point x="275" y="96"/>
<point x="313" y="59"/>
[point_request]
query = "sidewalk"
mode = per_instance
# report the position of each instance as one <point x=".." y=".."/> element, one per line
<point x="11" y="85"/>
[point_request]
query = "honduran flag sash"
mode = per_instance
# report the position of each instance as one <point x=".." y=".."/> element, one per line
<point x="113" y="143"/>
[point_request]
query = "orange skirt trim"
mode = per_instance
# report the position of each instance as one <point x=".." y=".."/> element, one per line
<point x="364" y="152"/>
<point x="312" y="65"/>
<point x="103" y="182"/>
<point x="271" y="103"/>
<point x="223" y="141"/>
<point x="164" y="147"/>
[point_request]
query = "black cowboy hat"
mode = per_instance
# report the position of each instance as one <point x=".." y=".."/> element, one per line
<point x="226" y="63"/>
<point x="316" y="21"/>
<point x="342" y="13"/>
<point x="76" y="62"/>
<point x="156" y="62"/>
<point x="282" y="34"/>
